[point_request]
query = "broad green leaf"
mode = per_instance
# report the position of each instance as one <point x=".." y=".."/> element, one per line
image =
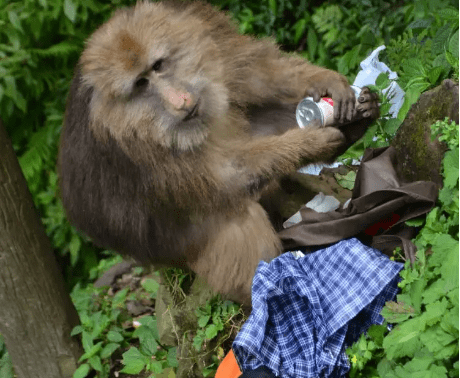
<point x="211" y="331"/>
<point x="150" y="285"/>
<point x="95" y="363"/>
<point x="435" y="339"/>
<point x="434" y="74"/>
<point x="114" y="336"/>
<point x="107" y="351"/>
<point x="346" y="181"/>
<point x="172" y="357"/>
<point x="134" y="361"/>
<point x="440" y="39"/>
<point x="92" y="351"/>
<point x="391" y="126"/>
<point x="14" y="19"/>
<point x="70" y="10"/>
<point x="453" y="44"/>
<point x="203" y="320"/>
<point x="82" y="371"/>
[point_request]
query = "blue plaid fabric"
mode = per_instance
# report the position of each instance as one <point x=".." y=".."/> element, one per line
<point x="305" y="312"/>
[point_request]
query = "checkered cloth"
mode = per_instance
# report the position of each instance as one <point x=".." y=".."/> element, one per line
<point x="305" y="312"/>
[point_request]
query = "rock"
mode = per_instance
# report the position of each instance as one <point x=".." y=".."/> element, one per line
<point x="418" y="157"/>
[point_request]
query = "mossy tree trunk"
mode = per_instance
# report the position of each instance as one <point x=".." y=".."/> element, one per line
<point x="36" y="313"/>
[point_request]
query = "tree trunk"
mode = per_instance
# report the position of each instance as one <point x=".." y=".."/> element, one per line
<point x="36" y="313"/>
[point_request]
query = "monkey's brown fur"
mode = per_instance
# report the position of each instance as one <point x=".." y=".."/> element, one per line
<point x="159" y="157"/>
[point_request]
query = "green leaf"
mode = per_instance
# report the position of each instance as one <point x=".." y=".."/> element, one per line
<point x="440" y="39"/>
<point x="312" y="43"/>
<point x="119" y="297"/>
<point x="14" y="19"/>
<point x="134" y="361"/>
<point x="92" y="351"/>
<point x="299" y="28"/>
<point x="114" y="336"/>
<point x="414" y="67"/>
<point x="435" y="291"/>
<point x="211" y="331"/>
<point x="410" y="98"/>
<point x="377" y="333"/>
<point x="435" y="311"/>
<point x="451" y="167"/>
<point x="272" y="6"/>
<point x="391" y="126"/>
<point x="419" y="24"/>
<point x="203" y="320"/>
<point x="346" y="181"/>
<point x="70" y="10"/>
<point x="172" y="357"/>
<point x="382" y="81"/>
<point x="435" y="339"/>
<point x="453" y="44"/>
<point x="82" y="371"/>
<point x="404" y="339"/>
<point x="95" y="363"/>
<point x="452" y="59"/>
<point x="443" y="246"/>
<point x="87" y="341"/>
<point x="109" y="349"/>
<point x="147" y="340"/>
<point x="74" y="249"/>
<point x="448" y="14"/>
<point x="416" y="222"/>
<point x="76" y="330"/>
<point x="434" y="73"/>
<point x="150" y="285"/>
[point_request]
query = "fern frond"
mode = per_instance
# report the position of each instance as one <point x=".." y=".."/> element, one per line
<point x="61" y="49"/>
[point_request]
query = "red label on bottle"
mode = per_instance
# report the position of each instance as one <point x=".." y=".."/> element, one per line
<point x="328" y="100"/>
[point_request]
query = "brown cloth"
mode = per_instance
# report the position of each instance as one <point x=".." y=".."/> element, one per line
<point x="379" y="206"/>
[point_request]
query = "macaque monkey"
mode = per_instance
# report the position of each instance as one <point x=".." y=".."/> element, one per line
<point x="174" y="125"/>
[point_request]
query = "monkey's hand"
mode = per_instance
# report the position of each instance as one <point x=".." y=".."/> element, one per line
<point x="367" y="111"/>
<point x="328" y="83"/>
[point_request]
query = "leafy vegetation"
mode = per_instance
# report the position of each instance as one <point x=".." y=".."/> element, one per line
<point x="424" y="340"/>
<point x="40" y="42"/>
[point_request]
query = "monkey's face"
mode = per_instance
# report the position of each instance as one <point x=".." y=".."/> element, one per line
<point x="156" y="76"/>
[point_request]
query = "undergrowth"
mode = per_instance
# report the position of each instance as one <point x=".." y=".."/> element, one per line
<point x="425" y="315"/>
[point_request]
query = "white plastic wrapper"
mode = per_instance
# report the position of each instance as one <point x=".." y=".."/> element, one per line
<point x="371" y="67"/>
<point x="320" y="203"/>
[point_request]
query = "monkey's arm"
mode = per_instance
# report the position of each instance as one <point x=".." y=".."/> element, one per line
<point x="266" y="156"/>
<point x="248" y="165"/>
<point x="265" y="75"/>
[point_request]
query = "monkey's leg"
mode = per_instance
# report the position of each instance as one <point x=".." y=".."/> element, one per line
<point x="236" y="247"/>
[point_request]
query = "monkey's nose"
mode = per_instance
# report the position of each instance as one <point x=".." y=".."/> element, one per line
<point x="180" y="100"/>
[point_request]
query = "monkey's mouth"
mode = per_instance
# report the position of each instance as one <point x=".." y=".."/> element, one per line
<point x="193" y="113"/>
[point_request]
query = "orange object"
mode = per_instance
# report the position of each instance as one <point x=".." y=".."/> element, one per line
<point x="228" y="368"/>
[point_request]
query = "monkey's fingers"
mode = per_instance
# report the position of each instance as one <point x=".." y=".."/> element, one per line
<point x="344" y="105"/>
<point x="368" y="105"/>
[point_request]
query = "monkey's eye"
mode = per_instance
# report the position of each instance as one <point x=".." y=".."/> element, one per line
<point x="157" y="65"/>
<point x="140" y="83"/>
